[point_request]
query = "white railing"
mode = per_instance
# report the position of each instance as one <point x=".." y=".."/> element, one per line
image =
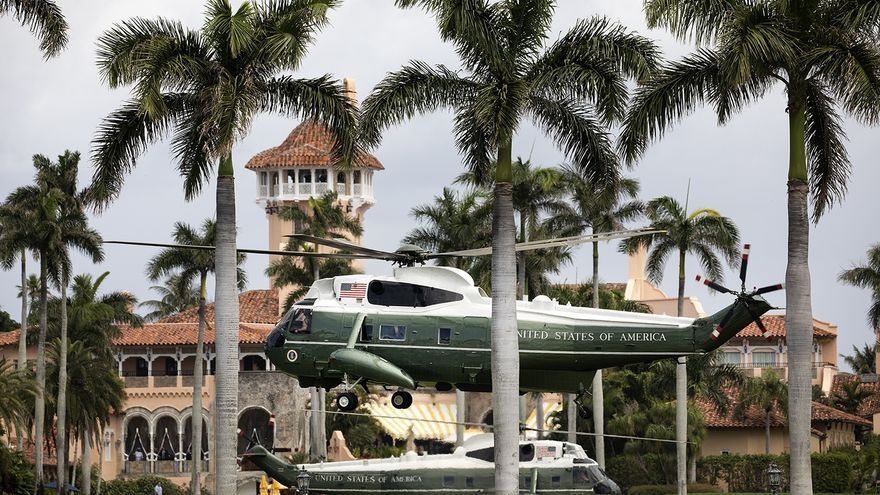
<point x="340" y="189"/>
<point x="290" y="188"/>
<point x="357" y="190"/>
<point x="305" y="189"/>
<point x="321" y="188"/>
<point x="264" y="191"/>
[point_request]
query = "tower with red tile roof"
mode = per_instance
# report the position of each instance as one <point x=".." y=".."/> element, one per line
<point x="301" y="168"/>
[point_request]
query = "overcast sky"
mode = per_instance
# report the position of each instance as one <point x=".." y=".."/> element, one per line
<point x="739" y="170"/>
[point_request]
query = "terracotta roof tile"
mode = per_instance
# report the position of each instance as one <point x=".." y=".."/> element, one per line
<point x="776" y="328"/>
<point x="255" y="306"/>
<point x="155" y="334"/>
<point x="308" y="145"/>
<point x="754" y="417"/>
<point x="9" y="338"/>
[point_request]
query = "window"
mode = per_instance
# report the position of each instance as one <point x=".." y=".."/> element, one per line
<point x="356" y="177"/>
<point x="392" y="332"/>
<point x="367" y="333"/>
<point x="301" y="321"/>
<point x="469" y="482"/>
<point x="732" y="358"/>
<point x="305" y="176"/>
<point x="487" y="454"/>
<point x="448" y="481"/>
<point x="340" y="178"/>
<point x="321" y="175"/>
<point x="555" y="482"/>
<point x="526" y="452"/>
<point x="443" y="336"/>
<point x="763" y="359"/>
<point x="385" y="293"/>
<point x="725" y="451"/>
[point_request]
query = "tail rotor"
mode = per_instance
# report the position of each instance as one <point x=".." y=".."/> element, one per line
<point x="741" y="295"/>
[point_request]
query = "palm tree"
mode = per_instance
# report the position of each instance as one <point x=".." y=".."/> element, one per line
<point x="864" y="360"/>
<point x="767" y="393"/>
<point x="535" y="191"/>
<point x="43" y="18"/>
<point x="57" y="222"/>
<point x="825" y="55"/>
<point x="454" y="221"/>
<point x="702" y="233"/>
<point x="596" y="208"/>
<point x="11" y="246"/>
<point x="509" y="76"/>
<point x="187" y="265"/>
<point x="205" y="87"/>
<point x="177" y="294"/>
<point x="850" y="395"/>
<point x="16" y="388"/>
<point x="867" y="276"/>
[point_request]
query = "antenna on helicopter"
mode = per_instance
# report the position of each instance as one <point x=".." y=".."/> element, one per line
<point x="741" y="295"/>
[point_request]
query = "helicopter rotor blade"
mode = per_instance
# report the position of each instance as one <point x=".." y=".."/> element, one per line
<point x="347" y="246"/>
<point x="757" y="319"/>
<point x="551" y="243"/>
<point x="312" y="254"/>
<point x="716" y="332"/>
<point x="744" y="265"/>
<point x="714" y="285"/>
<point x="769" y="288"/>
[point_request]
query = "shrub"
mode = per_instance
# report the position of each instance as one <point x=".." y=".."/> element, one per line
<point x="629" y="471"/>
<point x="671" y="489"/>
<point x="143" y="485"/>
<point x="832" y="472"/>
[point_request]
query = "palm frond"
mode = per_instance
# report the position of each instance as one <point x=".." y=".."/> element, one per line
<point x="828" y="159"/>
<point x="580" y="136"/>
<point x="851" y="70"/>
<point x="696" y="20"/>
<point x="754" y="40"/>
<point x="287" y="28"/>
<point x="414" y="89"/>
<point x="43" y="18"/>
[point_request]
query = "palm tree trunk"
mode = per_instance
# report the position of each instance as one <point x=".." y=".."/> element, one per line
<point x="196" y="418"/>
<point x="72" y="471"/>
<point x="571" y="418"/>
<point x="681" y="395"/>
<point x="539" y="414"/>
<point x="459" y="417"/>
<point x="226" y="328"/>
<point x="61" y="429"/>
<point x="767" y="433"/>
<point x="504" y="339"/>
<point x="322" y="422"/>
<point x="798" y="314"/>
<point x="100" y="461"/>
<point x="598" y="392"/>
<point x="86" y="468"/>
<point x="521" y="259"/>
<point x="22" y="339"/>
<point x="40" y="401"/>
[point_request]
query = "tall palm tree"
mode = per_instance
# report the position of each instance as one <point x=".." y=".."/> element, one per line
<point x="850" y="395"/>
<point x="863" y="360"/>
<point x="597" y="208"/>
<point x="187" y="265"/>
<point x="768" y="393"/>
<point x="177" y="294"/>
<point x="58" y="222"/>
<point x="867" y="276"/>
<point x="702" y="233"/>
<point x="825" y="55"/>
<point x="43" y="18"/>
<point x="570" y="90"/>
<point x="205" y="88"/>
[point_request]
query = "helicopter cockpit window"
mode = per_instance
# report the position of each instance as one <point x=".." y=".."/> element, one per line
<point x="487" y="454"/>
<point x="388" y="293"/>
<point x="392" y="332"/>
<point x="301" y="322"/>
<point x="366" y="333"/>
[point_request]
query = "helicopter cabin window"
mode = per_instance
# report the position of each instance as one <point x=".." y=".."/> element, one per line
<point x="301" y="321"/>
<point x="526" y="452"/>
<point x="555" y="481"/>
<point x="444" y="335"/>
<point x="392" y="332"/>
<point x="448" y="481"/>
<point x="487" y="454"/>
<point x="469" y="482"/>
<point x="367" y="333"/>
<point x="386" y="293"/>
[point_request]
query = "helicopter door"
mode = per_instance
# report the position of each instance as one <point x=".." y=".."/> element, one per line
<point x="474" y="337"/>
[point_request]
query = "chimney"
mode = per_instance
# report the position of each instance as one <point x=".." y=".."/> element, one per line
<point x="349" y="89"/>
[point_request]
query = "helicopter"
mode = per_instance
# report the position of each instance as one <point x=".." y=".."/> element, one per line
<point x="428" y="326"/>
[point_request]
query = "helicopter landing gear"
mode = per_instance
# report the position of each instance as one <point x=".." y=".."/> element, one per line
<point x="346" y="401"/>
<point x="401" y="399"/>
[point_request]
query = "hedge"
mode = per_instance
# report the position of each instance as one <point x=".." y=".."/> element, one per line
<point x="671" y="489"/>
<point x="833" y="472"/>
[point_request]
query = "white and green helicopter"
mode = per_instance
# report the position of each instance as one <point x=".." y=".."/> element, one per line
<point x="428" y="326"/>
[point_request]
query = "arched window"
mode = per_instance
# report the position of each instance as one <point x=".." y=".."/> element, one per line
<point x="255" y="429"/>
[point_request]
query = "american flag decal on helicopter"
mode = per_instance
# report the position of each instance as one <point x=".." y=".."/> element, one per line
<point x="355" y="290"/>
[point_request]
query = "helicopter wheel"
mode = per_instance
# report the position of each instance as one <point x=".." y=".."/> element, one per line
<point x="401" y="399"/>
<point x="346" y="401"/>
